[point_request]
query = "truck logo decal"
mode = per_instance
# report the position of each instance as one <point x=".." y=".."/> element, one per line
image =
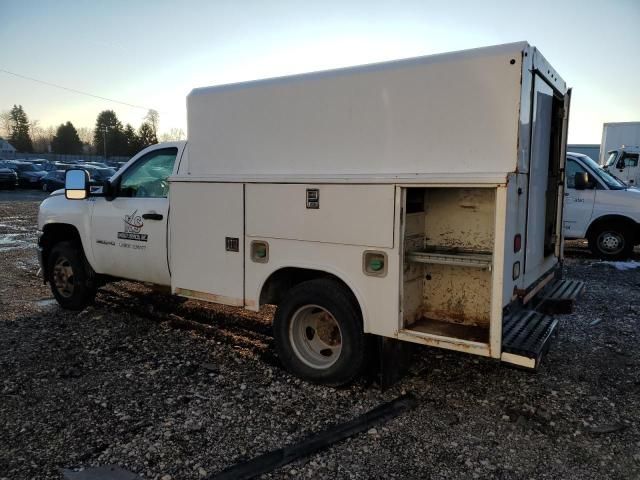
<point x="132" y="226"/>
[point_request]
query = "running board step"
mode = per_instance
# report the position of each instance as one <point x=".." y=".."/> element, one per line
<point x="560" y="296"/>
<point x="526" y="336"/>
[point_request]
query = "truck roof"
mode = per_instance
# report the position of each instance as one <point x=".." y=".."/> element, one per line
<point x="451" y="115"/>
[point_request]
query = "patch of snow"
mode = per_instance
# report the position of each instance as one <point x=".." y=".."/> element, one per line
<point x="623" y="265"/>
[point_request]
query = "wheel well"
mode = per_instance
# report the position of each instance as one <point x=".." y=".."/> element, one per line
<point x="283" y="280"/>
<point x="54" y="233"/>
<point x="617" y="219"/>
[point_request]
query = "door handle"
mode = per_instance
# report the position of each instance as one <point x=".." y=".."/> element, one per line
<point x="152" y="216"/>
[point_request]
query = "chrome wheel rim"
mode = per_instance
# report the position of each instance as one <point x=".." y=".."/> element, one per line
<point x="63" y="277"/>
<point x="610" y="242"/>
<point x="315" y="336"/>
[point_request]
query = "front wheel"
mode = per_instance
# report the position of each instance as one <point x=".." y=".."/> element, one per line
<point x="318" y="333"/>
<point x="611" y="242"/>
<point x="70" y="276"/>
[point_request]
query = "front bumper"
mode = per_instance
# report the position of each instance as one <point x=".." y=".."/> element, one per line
<point x="8" y="181"/>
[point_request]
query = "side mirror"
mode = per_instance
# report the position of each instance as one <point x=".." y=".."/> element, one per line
<point x="620" y="164"/>
<point x="581" y="180"/>
<point x="76" y="184"/>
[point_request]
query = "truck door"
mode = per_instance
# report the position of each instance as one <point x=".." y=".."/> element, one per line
<point x="627" y="168"/>
<point x="578" y="204"/>
<point x="544" y="177"/>
<point x="129" y="231"/>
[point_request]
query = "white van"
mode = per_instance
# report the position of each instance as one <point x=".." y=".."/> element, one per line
<point x="601" y="208"/>
<point x="337" y="197"/>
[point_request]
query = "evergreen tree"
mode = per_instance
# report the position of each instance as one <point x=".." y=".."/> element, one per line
<point x="147" y="136"/>
<point x="19" y="135"/>
<point x="133" y="141"/>
<point x="109" y="128"/>
<point x="66" y="140"/>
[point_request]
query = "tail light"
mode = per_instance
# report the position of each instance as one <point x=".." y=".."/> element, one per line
<point x="517" y="243"/>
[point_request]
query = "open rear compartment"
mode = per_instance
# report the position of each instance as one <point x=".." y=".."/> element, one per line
<point x="448" y="242"/>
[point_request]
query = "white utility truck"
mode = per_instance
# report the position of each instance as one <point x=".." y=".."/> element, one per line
<point x="600" y="208"/>
<point x="417" y="200"/>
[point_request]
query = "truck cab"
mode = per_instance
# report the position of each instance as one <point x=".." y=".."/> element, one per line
<point x="601" y="208"/>
<point x="128" y="215"/>
<point x="623" y="163"/>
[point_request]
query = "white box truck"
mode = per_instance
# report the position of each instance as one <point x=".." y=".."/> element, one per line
<point x="418" y="200"/>
<point x="620" y="149"/>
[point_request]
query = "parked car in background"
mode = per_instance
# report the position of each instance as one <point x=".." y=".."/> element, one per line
<point x="53" y="181"/>
<point x="29" y="175"/>
<point x="98" y="164"/>
<point x="8" y="178"/>
<point x="97" y="175"/>
<point x="600" y="208"/>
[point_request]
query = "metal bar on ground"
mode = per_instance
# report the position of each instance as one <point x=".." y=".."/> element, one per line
<point x="277" y="458"/>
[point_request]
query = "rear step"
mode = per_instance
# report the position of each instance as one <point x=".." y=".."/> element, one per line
<point x="560" y="296"/>
<point x="526" y="336"/>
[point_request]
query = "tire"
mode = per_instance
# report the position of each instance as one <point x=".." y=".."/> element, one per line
<point x="318" y="333"/>
<point x="70" y="276"/>
<point x="611" y="241"/>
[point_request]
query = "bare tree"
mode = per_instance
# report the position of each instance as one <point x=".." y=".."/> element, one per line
<point x="86" y="135"/>
<point x="42" y="137"/>
<point x="153" y="119"/>
<point x="172" y="135"/>
<point x="5" y="124"/>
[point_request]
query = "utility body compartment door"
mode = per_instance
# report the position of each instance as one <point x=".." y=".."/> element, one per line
<point x="207" y="241"/>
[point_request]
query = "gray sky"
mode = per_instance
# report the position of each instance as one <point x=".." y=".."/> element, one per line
<point x="152" y="53"/>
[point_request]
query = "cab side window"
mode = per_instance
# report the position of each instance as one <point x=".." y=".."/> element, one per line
<point x="629" y="160"/>
<point x="147" y="178"/>
<point x="570" y="173"/>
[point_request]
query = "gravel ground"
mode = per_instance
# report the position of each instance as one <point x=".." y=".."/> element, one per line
<point x="180" y="389"/>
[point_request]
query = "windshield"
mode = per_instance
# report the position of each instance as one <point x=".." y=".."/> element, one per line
<point x="611" y="158"/>
<point x="608" y="179"/>
<point x="27" y="168"/>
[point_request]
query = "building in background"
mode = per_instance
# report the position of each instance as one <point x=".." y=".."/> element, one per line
<point x="591" y="150"/>
<point x="7" y="151"/>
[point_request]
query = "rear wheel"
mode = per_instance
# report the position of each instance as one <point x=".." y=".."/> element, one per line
<point x="70" y="276"/>
<point x="318" y="333"/>
<point x="610" y="241"/>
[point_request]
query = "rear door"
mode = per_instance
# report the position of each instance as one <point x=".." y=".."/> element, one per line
<point x="548" y="120"/>
<point x="538" y="172"/>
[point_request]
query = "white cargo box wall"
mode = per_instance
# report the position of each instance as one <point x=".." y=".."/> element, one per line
<point x="362" y="137"/>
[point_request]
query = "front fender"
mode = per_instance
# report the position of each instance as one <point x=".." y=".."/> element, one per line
<point x="56" y="209"/>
